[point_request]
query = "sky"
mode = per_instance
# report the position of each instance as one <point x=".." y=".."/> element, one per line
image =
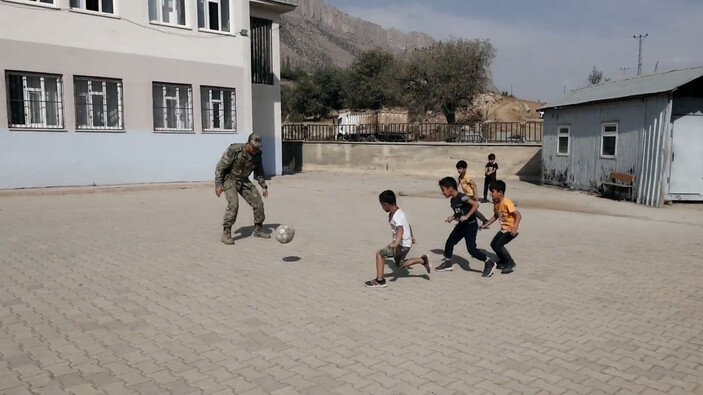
<point x="547" y="46"/>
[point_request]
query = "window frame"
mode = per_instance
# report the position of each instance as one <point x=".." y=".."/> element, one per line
<point x="605" y="134"/>
<point x="178" y="110"/>
<point x="26" y="103"/>
<point x="82" y="8"/>
<point x="160" y="17"/>
<point x="89" y="104"/>
<point x="561" y="135"/>
<point x="37" y="3"/>
<point x="206" y="109"/>
<point x="206" y="16"/>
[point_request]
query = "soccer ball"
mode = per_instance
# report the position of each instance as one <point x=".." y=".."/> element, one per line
<point x="284" y="234"/>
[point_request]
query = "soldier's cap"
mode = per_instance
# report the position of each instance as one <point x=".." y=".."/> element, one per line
<point x="255" y="140"/>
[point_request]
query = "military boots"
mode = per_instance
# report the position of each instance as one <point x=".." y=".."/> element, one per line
<point x="259" y="232"/>
<point x="227" y="236"/>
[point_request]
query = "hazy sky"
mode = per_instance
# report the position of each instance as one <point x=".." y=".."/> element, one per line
<point x="544" y="45"/>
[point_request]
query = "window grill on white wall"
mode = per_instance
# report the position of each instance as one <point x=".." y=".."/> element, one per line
<point x="35" y="101"/>
<point x="173" y="107"/>
<point x="219" y="112"/>
<point x="99" y="104"/>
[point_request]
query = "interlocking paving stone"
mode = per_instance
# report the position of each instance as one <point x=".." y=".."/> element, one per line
<point x="130" y="291"/>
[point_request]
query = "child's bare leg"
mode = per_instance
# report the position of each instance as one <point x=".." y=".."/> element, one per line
<point x="412" y="261"/>
<point x="379" y="266"/>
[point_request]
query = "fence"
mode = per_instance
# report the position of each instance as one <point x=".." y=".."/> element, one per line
<point x="485" y="132"/>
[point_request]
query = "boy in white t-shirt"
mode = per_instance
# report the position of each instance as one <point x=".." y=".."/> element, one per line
<point x="402" y="241"/>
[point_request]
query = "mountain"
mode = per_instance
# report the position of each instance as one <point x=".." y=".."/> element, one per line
<point x="318" y="34"/>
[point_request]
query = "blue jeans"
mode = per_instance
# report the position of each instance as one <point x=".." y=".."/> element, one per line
<point x="467" y="231"/>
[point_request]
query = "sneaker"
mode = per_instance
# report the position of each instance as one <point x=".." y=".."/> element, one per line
<point x="446" y="266"/>
<point x="508" y="268"/>
<point x="376" y="284"/>
<point x="488" y="269"/>
<point x="426" y="263"/>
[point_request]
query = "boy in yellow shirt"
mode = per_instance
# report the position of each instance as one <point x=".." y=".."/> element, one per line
<point x="505" y="210"/>
<point x="468" y="186"/>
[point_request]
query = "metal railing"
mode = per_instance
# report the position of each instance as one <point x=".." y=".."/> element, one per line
<point x="484" y="132"/>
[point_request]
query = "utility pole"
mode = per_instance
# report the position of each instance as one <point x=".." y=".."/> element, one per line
<point x="624" y="70"/>
<point x="640" y="38"/>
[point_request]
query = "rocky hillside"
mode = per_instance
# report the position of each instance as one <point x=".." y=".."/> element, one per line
<point x="317" y="34"/>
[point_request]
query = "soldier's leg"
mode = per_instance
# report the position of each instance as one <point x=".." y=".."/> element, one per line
<point x="230" y="215"/>
<point x="253" y="197"/>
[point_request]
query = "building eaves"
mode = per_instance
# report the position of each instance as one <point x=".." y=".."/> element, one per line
<point x="632" y="87"/>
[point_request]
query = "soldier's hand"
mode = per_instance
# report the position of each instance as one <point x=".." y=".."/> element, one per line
<point x="265" y="193"/>
<point x="218" y="191"/>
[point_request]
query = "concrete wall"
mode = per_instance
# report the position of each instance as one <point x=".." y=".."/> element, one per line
<point x="414" y="158"/>
<point x="266" y="99"/>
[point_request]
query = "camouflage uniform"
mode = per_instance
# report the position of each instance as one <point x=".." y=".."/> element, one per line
<point x="232" y="174"/>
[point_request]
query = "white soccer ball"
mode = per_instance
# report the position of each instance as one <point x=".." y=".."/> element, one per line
<point x="284" y="234"/>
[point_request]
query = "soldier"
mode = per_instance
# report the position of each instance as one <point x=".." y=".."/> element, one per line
<point x="232" y="177"/>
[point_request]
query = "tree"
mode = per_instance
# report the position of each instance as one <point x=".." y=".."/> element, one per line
<point x="370" y="83"/>
<point x="447" y="75"/>
<point x="329" y="87"/>
<point x="596" y="77"/>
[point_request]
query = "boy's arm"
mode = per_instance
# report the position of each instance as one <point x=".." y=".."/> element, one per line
<point x="472" y="184"/>
<point x="515" y="230"/>
<point x="472" y="210"/>
<point x="490" y="221"/>
<point x="412" y="237"/>
<point x="398" y="237"/>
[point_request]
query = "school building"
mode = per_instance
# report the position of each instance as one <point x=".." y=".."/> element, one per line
<point x="649" y="127"/>
<point x="100" y="92"/>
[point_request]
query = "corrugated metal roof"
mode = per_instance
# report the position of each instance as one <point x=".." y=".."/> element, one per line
<point x="638" y="86"/>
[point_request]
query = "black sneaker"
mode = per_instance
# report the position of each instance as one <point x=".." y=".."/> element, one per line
<point x="426" y="263"/>
<point x="376" y="283"/>
<point x="508" y="268"/>
<point x="488" y="269"/>
<point x="446" y="266"/>
<point x="499" y="265"/>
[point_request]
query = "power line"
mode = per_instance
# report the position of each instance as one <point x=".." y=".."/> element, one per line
<point x="640" y="38"/>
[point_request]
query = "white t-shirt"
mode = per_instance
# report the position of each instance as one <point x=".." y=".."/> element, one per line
<point x="399" y="219"/>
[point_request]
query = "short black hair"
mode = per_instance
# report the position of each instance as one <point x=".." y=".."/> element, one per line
<point x="448" y="182"/>
<point x="492" y="157"/>
<point x="498" y="185"/>
<point x="462" y="165"/>
<point x="387" y="197"/>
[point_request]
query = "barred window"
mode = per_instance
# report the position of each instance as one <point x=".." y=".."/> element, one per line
<point x="98" y="103"/>
<point x="35" y="100"/>
<point x="173" y="107"/>
<point x="167" y="11"/>
<point x="105" y="6"/>
<point x="219" y="109"/>
<point x="214" y="15"/>
<point x="261" y="54"/>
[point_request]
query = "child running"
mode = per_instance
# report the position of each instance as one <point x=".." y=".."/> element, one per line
<point x="467" y="227"/>
<point x="402" y="241"/>
<point x="468" y="186"/>
<point x="505" y="210"/>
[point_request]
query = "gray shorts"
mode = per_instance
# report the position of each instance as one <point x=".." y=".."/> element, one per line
<point x="398" y="254"/>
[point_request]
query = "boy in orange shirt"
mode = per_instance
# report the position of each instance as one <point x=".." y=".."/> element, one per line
<point x="468" y="186"/>
<point x="505" y="210"/>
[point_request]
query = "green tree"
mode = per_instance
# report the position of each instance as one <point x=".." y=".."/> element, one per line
<point x="447" y="75"/>
<point x="370" y="82"/>
<point x="329" y="88"/>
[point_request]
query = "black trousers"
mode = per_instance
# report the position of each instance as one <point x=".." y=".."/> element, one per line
<point x="467" y="231"/>
<point x="486" y="184"/>
<point x="498" y="245"/>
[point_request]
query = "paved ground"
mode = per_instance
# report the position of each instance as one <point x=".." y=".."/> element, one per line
<point x="131" y="291"/>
